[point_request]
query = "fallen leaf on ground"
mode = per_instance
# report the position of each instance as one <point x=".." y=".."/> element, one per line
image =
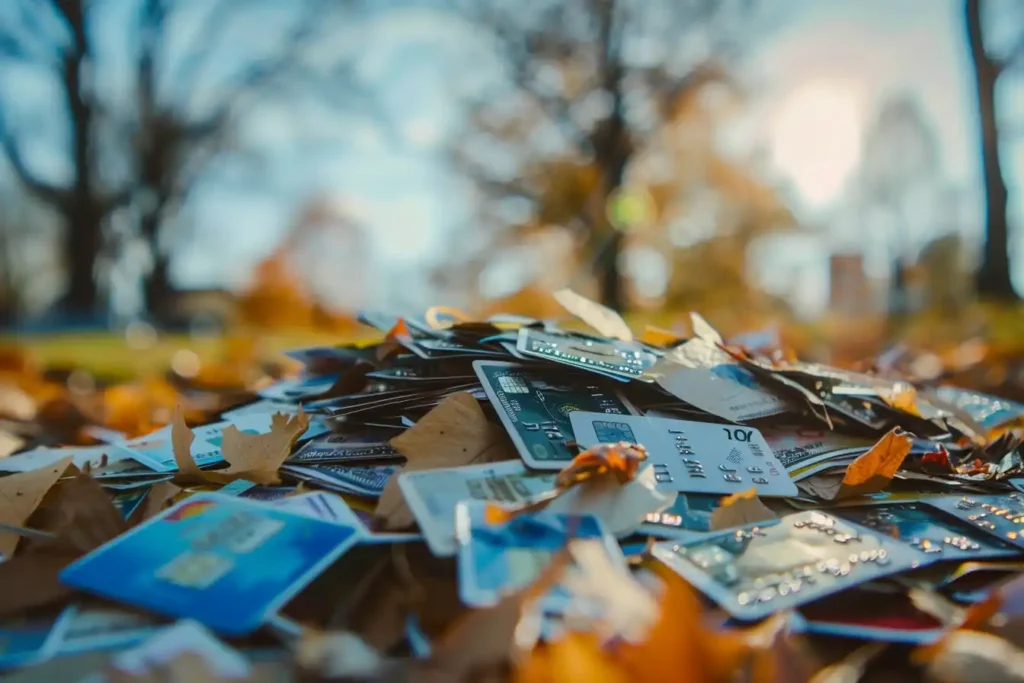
<point x="254" y="457"/>
<point x="181" y="444"/>
<point x="455" y="433"/>
<point x="20" y="495"/>
<point x="159" y="497"/>
<point x="81" y="514"/>
<point x="739" y="509"/>
<point x="257" y="457"/>
<point x="869" y="473"/>
<point x="604" y="320"/>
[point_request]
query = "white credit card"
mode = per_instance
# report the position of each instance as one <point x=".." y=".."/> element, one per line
<point x="432" y="495"/>
<point x="706" y="377"/>
<point x="692" y="457"/>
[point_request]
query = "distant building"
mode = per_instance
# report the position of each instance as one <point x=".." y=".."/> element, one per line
<point x="849" y="293"/>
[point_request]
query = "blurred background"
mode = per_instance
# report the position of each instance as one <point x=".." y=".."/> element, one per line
<point x="176" y="173"/>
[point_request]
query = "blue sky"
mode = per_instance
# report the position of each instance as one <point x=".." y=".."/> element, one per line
<point x="840" y="57"/>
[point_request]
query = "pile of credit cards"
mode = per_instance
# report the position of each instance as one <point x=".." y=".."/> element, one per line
<point x="247" y="566"/>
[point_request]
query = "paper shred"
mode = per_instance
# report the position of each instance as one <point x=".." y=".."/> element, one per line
<point x="604" y="320"/>
<point x="455" y="433"/>
<point x="20" y="494"/>
<point x="740" y="509"/>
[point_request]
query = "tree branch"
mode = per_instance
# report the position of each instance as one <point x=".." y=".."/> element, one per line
<point x="49" y="193"/>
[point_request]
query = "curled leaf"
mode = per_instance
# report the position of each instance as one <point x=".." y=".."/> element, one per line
<point x="603" y="319"/>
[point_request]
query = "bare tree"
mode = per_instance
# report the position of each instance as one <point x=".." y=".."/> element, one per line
<point x="143" y="143"/>
<point x="591" y="79"/>
<point x="993" y="279"/>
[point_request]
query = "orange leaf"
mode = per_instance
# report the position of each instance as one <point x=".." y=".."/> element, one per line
<point x="873" y="470"/>
<point x="656" y="336"/>
<point x="621" y="460"/>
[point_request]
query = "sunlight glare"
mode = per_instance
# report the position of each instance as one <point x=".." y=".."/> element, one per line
<point x="816" y="139"/>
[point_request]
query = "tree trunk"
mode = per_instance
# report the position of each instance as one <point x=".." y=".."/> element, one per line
<point x="993" y="277"/>
<point x="84" y="214"/>
<point x="81" y="247"/>
<point x="157" y="288"/>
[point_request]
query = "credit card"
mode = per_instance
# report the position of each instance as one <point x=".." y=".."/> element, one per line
<point x="498" y="559"/>
<point x="433" y="494"/>
<point x="798" y="448"/>
<point x="928" y="531"/>
<point x="704" y="376"/>
<point x="1001" y="515"/>
<point x="534" y="405"/>
<point x="758" y="570"/>
<point x="624" y="359"/>
<point x="90" y="629"/>
<point x="988" y="411"/>
<point x="225" y="562"/>
<point x="326" y="452"/>
<point x="360" y="481"/>
<point x="692" y="457"/>
<point x="687" y="519"/>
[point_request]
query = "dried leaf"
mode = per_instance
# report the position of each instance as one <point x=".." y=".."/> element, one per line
<point x="159" y="497"/>
<point x="21" y="494"/>
<point x="873" y="470"/>
<point x="181" y="443"/>
<point x="601" y="318"/>
<point x="81" y="514"/>
<point x="869" y="473"/>
<point x="454" y="433"/>
<point x="739" y="509"/>
<point x="257" y="457"/>
<point x="656" y="336"/>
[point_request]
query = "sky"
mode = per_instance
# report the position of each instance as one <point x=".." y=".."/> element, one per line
<point x="817" y="74"/>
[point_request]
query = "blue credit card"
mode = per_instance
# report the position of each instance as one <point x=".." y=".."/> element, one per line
<point x="223" y="561"/>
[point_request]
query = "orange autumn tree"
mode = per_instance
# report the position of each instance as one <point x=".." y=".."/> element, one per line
<point x="278" y="297"/>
